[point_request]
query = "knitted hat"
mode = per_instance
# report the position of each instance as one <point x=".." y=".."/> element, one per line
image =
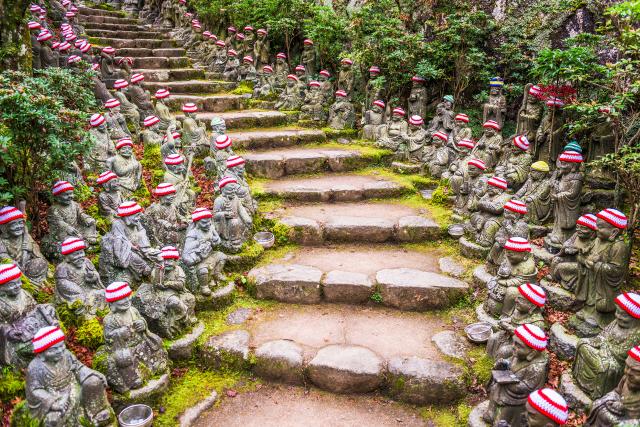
<point x="496" y="82"/>
<point x="84" y="48"/>
<point x="106" y="177"/>
<point x="532" y="335"/>
<point x="223" y="141"/>
<point x="96" y="120"/>
<point x="521" y="142"/>
<point x="9" y="214"/>
<point x="34" y="8"/>
<point x="629" y="302"/>
<point x="282" y="55"/>
<point x="120" y="84"/>
<point x="220" y="43"/>
<point x="164" y="189"/>
<point x="325" y="73"/>
<point x="341" y="94"/>
<point x="467" y="143"/>
<point x="440" y="135"/>
<point x="248" y="59"/>
<point x="314" y="83"/>
<point x="535" y="90"/>
<point x="189" y="107"/>
<point x="635" y="353"/>
<point x="137" y="77"/>
<point x="79" y="42"/>
<point x="374" y="69"/>
<point x="534" y="293"/>
<point x="9" y="272"/>
<point x="47" y="337"/>
<point x="169" y="252"/>
<point x="517" y="244"/>
<point x="117" y="291"/>
<point x="70" y="36"/>
<point x="64" y="46"/>
<point x="55" y="45"/>
<point x="261" y="31"/>
<point x="418" y="79"/>
<point x="32" y="25"/>
<point x="300" y="68"/>
<point x="613" y="217"/>
<point x="96" y="67"/>
<point x="112" y="103"/>
<point x="109" y="50"/>
<point x="128" y="209"/>
<point x="226" y="181"/>
<point x="196" y="25"/>
<point x="516" y="206"/>
<point x="70" y="14"/>
<point x="124" y="142"/>
<point x="240" y="36"/>
<point x="550" y="404"/>
<point x="417" y="121"/>
<point x="201" y="213"/>
<point x="173" y="159"/>
<point x="462" y="117"/>
<point x="125" y="59"/>
<point x="248" y="28"/>
<point x="162" y="94"/>
<point x="379" y="103"/>
<point x="72" y="244"/>
<point x="231" y="29"/>
<point x="555" y="102"/>
<point x="60" y="187"/>
<point x="540" y="166"/>
<point x="573" y="146"/>
<point x="399" y="112"/>
<point x="150" y="121"/>
<point x="497" y="182"/>
<point x="346" y="61"/>
<point x="44" y="35"/>
<point x="448" y="98"/>
<point x="267" y="69"/>
<point x="491" y="124"/>
<point x="589" y="221"/>
<point x="477" y="163"/>
<point x="233" y="161"/>
<point x="570" y="157"/>
<point x="206" y="33"/>
<point x="292" y="77"/>
<point x="308" y="42"/>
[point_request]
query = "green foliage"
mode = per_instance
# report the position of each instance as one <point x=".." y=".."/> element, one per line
<point x="90" y="334"/>
<point x="11" y="383"/>
<point x="21" y="416"/>
<point x="574" y="65"/>
<point x="376" y="297"/>
<point x="456" y="416"/>
<point x="103" y="225"/>
<point x="479" y="366"/>
<point x="82" y="193"/>
<point x="243" y="88"/>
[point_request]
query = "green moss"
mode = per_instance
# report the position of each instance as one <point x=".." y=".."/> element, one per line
<point x="243" y="88"/>
<point x="11" y="383"/>
<point x="82" y="192"/>
<point x="103" y="225"/>
<point x="152" y="161"/>
<point x="453" y="416"/>
<point x="247" y="257"/>
<point x="90" y="334"/>
<point x="21" y="416"/>
<point x="100" y="360"/>
<point x="142" y="195"/>
<point x="376" y="297"/>
<point x="479" y="367"/>
<point x="68" y="313"/>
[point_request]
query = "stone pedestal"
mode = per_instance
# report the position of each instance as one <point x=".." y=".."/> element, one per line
<point x="575" y="397"/>
<point x="561" y="342"/>
<point x="182" y="348"/>
<point x="470" y="249"/>
<point x="147" y="394"/>
<point x="558" y="297"/>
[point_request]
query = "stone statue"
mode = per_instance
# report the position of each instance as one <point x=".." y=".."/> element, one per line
<point x="100" y="90"/>
<point x="164" y="220"/>
<point x="236" y="169"/>
<point x="414" y="147"/>
<point x="496" y="107"/>
<point x="101" y="145"/>
<point x="301" y="74"/>
<point x="565" y="266"/>
<point x="516" y="269"/>
<point x="230" y="72"/>
<point x="128" y="109"/>
<point x="151" y="133"/>
<point x="599" y="361"/>
<point x="17" y="244"/>
<point x="528" y="308"/>
<point x="162" y="112"/>
<point x="530" y="113"/>
<point x="133" y="352"/>
<point x="602" y="270"/>
<point x="536" y="193"/>
<point x="108" y="66"/>
<point x="517" y="162"/>
<point x="443" y="121"/>
<point x="232" y="220"/>
<point x="125" y="165"/>
<point x="550" y="132"/>
<point x="346" y="77"/>
<point x="48" y="58"/>
<point x="239" y="44"/>
<point x="36" y="47"/>
<point x="308" y="57"/>
<point x="60" y="390"/>
<point x="418" y="97"/>
<point x="78" y="280"/>
<point x="326" y="86"/>
<point x="373" y="120"/>
<point x="463" y="185"/>
<point x="171" y="144"/>
<point x="246" y="70"/>
<point x="512" y="225"/>
<point x="20" y="318"/>
<point x="281" y="71"/>
<point x="462" y="150"/>
<point x="489" y="147"/>
<point x="265" y="84"/>
<point x="177" y="174"/>
<point x="313" y="107"/>
<point x="461" y="129"/>
<point x="342" y="113"/>
<point x="261" y="49"/>
<point x="488" y="217"/>
<point x="116" y="122"/>
<point x="109" y="198"/>
<point x="513" y="379"/>
<point x="219" y="60"/>
<point x="216" y="163"/>
<point x="290" y="97"/>
<point x="139" y="96"/>
<point x="441" y="156"/>
<point x="391" y="136"/>
<point x="546" y="408"/>
<point x="203" y="262"/>
<point x="566" y="191"/>
<point x="125" y="250"/>
<point x="375" y="87"/>
<point x="166" y="304"/>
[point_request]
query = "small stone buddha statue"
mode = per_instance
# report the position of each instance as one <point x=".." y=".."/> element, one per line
<point x="313" y="107"/>
<point x="530" y="112"/>
<point x="518" y="162"/>
<point x="463" y="184"/>
<point x="496" y="107"/>
<point x="110" y="197"/>
<point x="230" y="72"/>
<point x="102" y="147"/>
<point x="151" y="135"/>
<point x="462" y="150"/>
<point x="265" y="84"/>
<point x="129" y="110"/>
<point x="375" y="86"/>
<point x="178" y="175"/>
<point x="513" y="224"/>
<point x="418" y="97"/>
<point x="415" y="147"/>
<point x="546" y="408"/>
<point x="125" y="165"/>
<point x="261" y="49"/>
<point x="17" y="244"/>
<point x="372" y="120"/>
<point x="290" y="98"/>
<point x="536" y="193"/>
<point x="162" y="111"/>
<point x="219" y="59"/>
<point x="443" y="120"/>
<point x="309" y="56"/>
<point x="346" y="77"/>
<point x="326" y="87"/>
<point x="461" y="129"/>
<point x="550" y="133"/>
<point x="442" y="156"/>
<point x="489" y="147"/>
<point x="281" y="71"/>
<point x="342" y="114"/>
<point x="164" y="220"/>
<point x="194" y="132"/>
<point x="139" y="96"/>
<point x="116" y="123"/>
<point x="246" y="70"/>
<point x="392" y="135"/>
<point x="487" y="219"/>
<point x="221" y="150"/>
<point x="232" y="220"/>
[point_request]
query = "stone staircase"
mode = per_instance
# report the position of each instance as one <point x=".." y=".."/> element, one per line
<point x="351" y="226"/>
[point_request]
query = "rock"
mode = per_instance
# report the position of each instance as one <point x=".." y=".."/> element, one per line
<point x="576" y="398"/>
<point x="451" y="267"/>
<point x="481" y="276"/>
<point x="182" y="348"/>
<point x="288" y="283"/>
<point x="382" y="189"/>
<point x="189" y="417"/>
<point x="475" y="417"/>
<point x="417" y="229"/>
<point x="280" y="360"/>
<point x="303" y="230"/>
<point x="227" y="350"/>
<point x="561" y="342"/>
<point x="302" y="163"/>
<point x="541" y="254"/>
<point x="409" y="289"/>
<point x="536" y="231"/>
<point x="471" y="249"/>
<point x="355" y="229"/>
<point x="559" y="298"/>
<point x="346" y="287"/>
<point x="451" y="344"/>
<point x="266" y="165"/>
<point x="147" y="394"/>
<point x="239" y="316"/>
<point x="406" y="168"/>
<point x="222" y="296"/>
<point x="346" y="368"/>
<point x="484" y="317"/>
<point x="424" y="382"/>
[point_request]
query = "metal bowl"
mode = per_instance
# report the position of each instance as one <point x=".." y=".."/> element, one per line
<point x="456" y="230"/>
<point x="136" y="416"/>
<point x="479" y="332"/>
<point x="265" y="239"/>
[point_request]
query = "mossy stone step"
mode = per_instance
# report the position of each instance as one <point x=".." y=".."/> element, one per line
<point x="98" y="19"/>
<point x="170" y="74"/>
<point x="136" y="52"/>
<point x="161" y="62"/>
<point x="120" y="34"/>
<point x="114" y="26"/>
<point x="190" y="86"/>
<point x="244" y="119"/>
<point x="119" y="42"/>
<point x="89" y="11"/>
<point x="208" y="103"/>
<point x="272" y="138"/>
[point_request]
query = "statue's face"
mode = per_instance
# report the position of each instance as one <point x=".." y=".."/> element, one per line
<point x="516" y="150"/>
<point x="435" y="141"/>
<point x="535" y="418"/>
<point x="290" y="83"/>
<point x="474" y="172"/>
<point x="155" y="128"/>
<point x="606" y="231"/>
<point x="204" y="224"/>
<point x="510" y="215"/>
<point x="11" y="289"/>
<point x="460" y="123"/>
<point x="116" y="110"/>
<point x="168" y="199"/>
<point x="523" y="305"/>
<point x="75" y="258"/>
<point x="346" y="66"/>
<point x="280" y="61"/>
<point x="494" y="91"/>
<point x="489" y="132"/>
<point x="625" y="320"/>
<point x="584" y="232"/>
<point x="54" y="353"/>
<point x="111" y="185"/>
<point x="494" y="191"/>
<point x="516" y="257"/>
<point x="123" y="304"/>
<point x="102" y="128"/>
<point x="229" y="190"/>
<point x="14" y="228"/>
<point x="448" y="105"/>
<point x="520" y="349"/>
<point x="565" y="167"/>
<point x="396" y="118"/>
<point x="169" y="264"/>
<point x="126" y="152"/>
<point x="537" y="175"/>
<point x="132" y="220"/>
<point x="65" y="198"/>
<point x="239" y="170"/>
<point x="632" y="372"/>
<point x="376" y="109"/>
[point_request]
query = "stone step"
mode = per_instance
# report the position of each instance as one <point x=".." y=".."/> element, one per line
<point x="210" y="103"/>
<point x="114" y="26"/>
<point x="278" y="163"/>
<point x="335" y="188"/>
<point x="98" y="19"/>
<point x="121" y="34"/>
<point x="244" y="119"/>
<point x="313" y="224"/>
<point x="89" y="11"/>
<point x="137" y="52"/>
<point x="161" y="62"/>
<point x="170" y="74"/>
<point x="190" y="86"/>
<point x="120" y="43"/>
<point x="278" y="137"/>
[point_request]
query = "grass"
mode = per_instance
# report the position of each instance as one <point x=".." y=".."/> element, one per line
<point x="447" y="416"/>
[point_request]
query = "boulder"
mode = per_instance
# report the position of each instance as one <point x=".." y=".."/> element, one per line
<point x="575" y="397"/>
<point x="182" y="348"/>
<point x="347" y="287"/>
<point x="280" y="360"/>
<point x="299" y="284"/>
<point x="415" y="228"/>
<point x="558" y="297"/>
<point x="227" y="350"/>
<point x="451" y="344"/>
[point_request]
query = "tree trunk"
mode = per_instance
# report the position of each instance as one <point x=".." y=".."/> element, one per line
<point x="15" y="41"/>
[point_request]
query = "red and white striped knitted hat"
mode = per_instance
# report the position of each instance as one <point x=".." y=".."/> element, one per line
<point x="120" y="84"/>
<point x="613" y="217"/>
<point x="462" y="117"/>
<point x="497" y="182"/>
<point x="325" y="73"/>
<point x="189" y="107"/>
<point x="341" y="94"/>
<point x="150" y="121"/>
<point x="201" y="213"/>
<point x="281" y="55"/>
<point x="629" y="302"/>
<point x="261" y="31"/>
<point x="220" y="43"/>
<point x="517" y="244"/>
<point x="213" y="37"/>
<point x="292" y="77"/>
<point x="32" y="25"/>
<point x="173" y="159"/>
<point x="71" y="245"/>
<point x="169" y="252"/>
<point x="137" y="77"/>
<point x="314" y="83"/>
<point x="550" y="404"/>
<point x="55" y="45"/>
<point x="240" y="36"/>
<point x="96" y="120"/>
<point x="70" y="36"/>
<point x="196" y="25"/>
<point x="516" y="206"/>
<point x="9" y="213"/>
<point x="467" y="143"/>
<point x="60" y="187"/>
<point x="106" y="177"/>
<point x="398" y="111"/>
<point x="34" y="8"/>
<point x="491" y="124"/>
<point x="226" y="181"/>
<point x="112" y="103"/>
<point x="124" y="142"/>
<point x="64" y="46"/>
<point x="555" y="102"/>
<point x="109" y="50"/>
<point x="248" y="59"/>
<point x="477" y="163"/>
<point x="47" y="337"/>
<point x="124" y="59"/>
<point x="532" y="336"/>
<point x="84" y="48"/>
<point x="231" y="29"/>
<point x="128" y="209"/>
<point x="588" y="220"/>
<point x="232" y="52"/>
<point x="267" y="69"/>
<point x="233" y="161"/>
<point x="440" y="135"/>
<point x="9" y="272"/>
<point x="534" y="293"/>
<point x="162" y="94"/>
<point x="416" y="121"/>
<point x="571" y="157"/>
<point x="308" y="42"/>
<point x="117" y="291"/>
<point x="418" y="79"/>
<point x="44" y="35"/>
<point x="521" y="142"/>
<point x="174" y="134"/>
<point x="206" y="33"/>
<point x="248" y="28"/>
<point x="164" y="189"/>
<point x="635" y="353"/>
<point x="347" y="61"/>
<point x="70" y="14"/>
<point x="380" y="103"/>
<point x="223" y="141"/>
<point x="374" y="69"/>
<point x="300" y="68"/>
<point x="535" y="90"/>
<point x="95" y="67"/>
<point x="80" y="42"/>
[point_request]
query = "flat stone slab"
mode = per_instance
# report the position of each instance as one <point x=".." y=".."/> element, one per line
<point x="288" y="283"/>
<point x="170" y="74"/>
<point x="281" y="361"/>
<point x="481" y="276"/>
<point x="239" y="316"/>
<point x="410" y="289"/>
<point x="190" y="86"/>
<point x="347" y="287"/>
<point x="304" y="231"/>
<point x="244" y="119"/>
<point x="134" y="52"/>
<point x="561" y="342"/>
<point x="451" y="344"/>
<point x="230" y="349"/>
<point x="86" y="19"/>
<point x="559" y="298"/>
<point x="272" y="138"/>
<point x="118" y="43"/>
<point x="358" y="229"/>
<point x="451" y="267"/>
<point x="471" y="249"/>
<point x="183" y="347"/>
<point x="191" y="415"/>
<point x="212" y="103"/>
<point x="346" y="369"/>
<point x="421" y="381"/>
<point x="147" y="394"/>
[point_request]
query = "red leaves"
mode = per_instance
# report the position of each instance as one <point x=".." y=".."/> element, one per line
<point x="83" y="354"/>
